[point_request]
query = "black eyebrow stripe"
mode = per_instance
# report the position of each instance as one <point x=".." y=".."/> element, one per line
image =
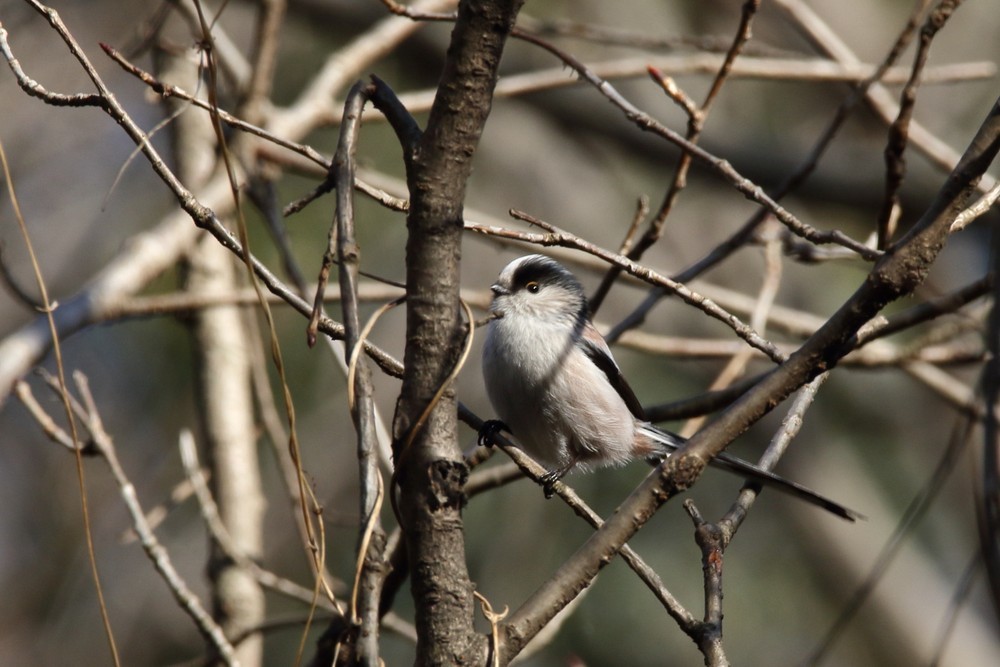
<point x="544" y="270"/>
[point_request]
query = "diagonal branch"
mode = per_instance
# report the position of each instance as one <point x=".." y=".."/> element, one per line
<point x="895" y="275"/>
<point x="895" y="160"/>
<point x="697" y="116"/>
<point x="150" y="253"/>
<point x="742" y="184"/>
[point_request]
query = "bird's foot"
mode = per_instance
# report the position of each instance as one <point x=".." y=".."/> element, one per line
<point x="548" y="481"/>
<point x="489" y="431"/>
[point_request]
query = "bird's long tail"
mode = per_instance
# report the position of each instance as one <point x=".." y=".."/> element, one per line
<point x="670" y="442"/>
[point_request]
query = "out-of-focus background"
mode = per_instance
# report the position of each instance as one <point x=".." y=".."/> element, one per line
<point x="567" y="156"/>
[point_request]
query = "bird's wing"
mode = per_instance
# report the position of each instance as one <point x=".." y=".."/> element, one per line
<point x="595" y="347"/>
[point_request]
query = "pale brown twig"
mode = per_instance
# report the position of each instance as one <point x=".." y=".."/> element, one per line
<point x="743" y="185"/>
<point x="895" y="161"/>
<point x="198" y="482"/>
<point x="737" y="364"/>
<point x="150" y="253"/>
<point x="535" y="472"/>
<point x="746" y="231"/>
<point x="558" y="237"/>
<point x="370" y="574"/>
<point x="826" y="40"/>
<point x="157" y="554"/>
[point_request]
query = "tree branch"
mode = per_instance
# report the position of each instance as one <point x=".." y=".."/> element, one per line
<point x="896" y="274"/>
<point x="365" y="601"/>
<point x="429" y="467"/>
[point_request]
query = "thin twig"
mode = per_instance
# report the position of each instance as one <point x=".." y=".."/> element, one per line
<point x="685" y="620"/>
<point x="198" y="482"/>
<point x="710" y="540"/>
<point x="150" y="253"/>
<point x="157" y="554"/>
<point x="765" y="300"/>
<point x="817" y="31"/>
<point x="745" y="186"/>
<point x="895" y="161"/>
<point x="960" y="438"/>
<point x="790" y="427"/>
<point x="565" y="239"/>
<point x="979" y="208"/>
<point x="795" y="180"/>
<point x="369" y="575"/>
<point x="310" y="506"/>
<point x="63" y="392"/>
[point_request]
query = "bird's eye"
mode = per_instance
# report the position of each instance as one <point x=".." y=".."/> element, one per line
<point x="533" y="287"/>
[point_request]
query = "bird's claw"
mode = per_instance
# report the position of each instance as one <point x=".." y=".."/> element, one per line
<point x="489" y="430"/>
<point x="548" y="481"/>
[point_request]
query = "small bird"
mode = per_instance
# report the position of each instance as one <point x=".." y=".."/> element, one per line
<point x="555" y="386"/>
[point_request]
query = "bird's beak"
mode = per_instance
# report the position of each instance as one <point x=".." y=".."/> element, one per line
<point x="498" y="289"/>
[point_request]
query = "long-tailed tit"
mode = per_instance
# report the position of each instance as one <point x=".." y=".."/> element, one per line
<point x="555" y="386"/>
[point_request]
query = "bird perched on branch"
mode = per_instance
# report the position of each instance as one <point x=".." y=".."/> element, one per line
<point x="556" y="387"/>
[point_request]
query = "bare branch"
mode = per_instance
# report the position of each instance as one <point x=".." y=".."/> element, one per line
<point x="429" y="467"/>
<point x="526" y="466"/>
<point x="371" y="544"/>
<point x="558" y="237"/>
<point x="899" y="130"/>
<point x="878" y="97"/>
<point x="157" y="554"/>
<point x="222" y="366"/>
<point x="745" y="186"/>
<point x="895" y="275"/>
